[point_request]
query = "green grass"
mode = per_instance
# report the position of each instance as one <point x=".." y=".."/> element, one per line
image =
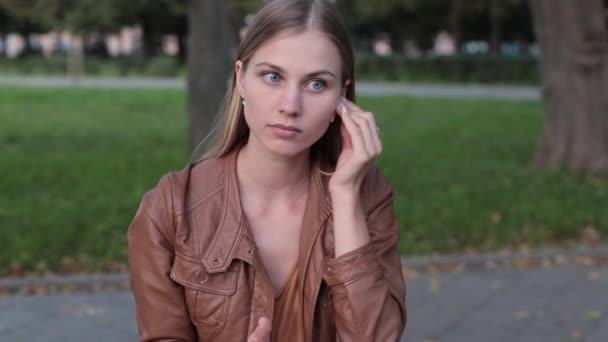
<point x="75" y="163"/>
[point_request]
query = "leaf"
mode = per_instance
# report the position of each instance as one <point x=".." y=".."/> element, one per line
<point x="496" y="217"/>
<point x="576" y="334"/>
<point x="522" y="314"/>
<point x="583" y="260"/>
<point x="435" y="285"/>
<point x="409" y="273"/>
<point x="593" y="314"/>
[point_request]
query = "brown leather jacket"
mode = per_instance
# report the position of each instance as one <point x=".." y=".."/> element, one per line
<point x="196" y="275"/>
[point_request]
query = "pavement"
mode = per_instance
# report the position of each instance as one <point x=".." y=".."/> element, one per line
<point x="551" y="295"/>
<point x="363" y="88"/>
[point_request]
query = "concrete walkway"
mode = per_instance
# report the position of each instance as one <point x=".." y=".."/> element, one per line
<point x="363" y="88"/>
<point x="548" y="296"/>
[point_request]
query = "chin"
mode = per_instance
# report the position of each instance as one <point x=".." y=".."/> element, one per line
<point x="287" y="148"/>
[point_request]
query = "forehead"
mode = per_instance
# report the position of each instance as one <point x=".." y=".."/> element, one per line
<point x="305" y="52"/>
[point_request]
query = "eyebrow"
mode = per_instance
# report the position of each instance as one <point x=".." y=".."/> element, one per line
<point x="279" y="69"/>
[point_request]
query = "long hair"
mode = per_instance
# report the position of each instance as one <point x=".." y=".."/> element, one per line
<point x="230" y="129"/>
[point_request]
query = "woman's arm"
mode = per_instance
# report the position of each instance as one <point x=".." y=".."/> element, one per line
<point x="365" y="277"/>
<point x="366" y="281"/>
<point x="162" y="314"/>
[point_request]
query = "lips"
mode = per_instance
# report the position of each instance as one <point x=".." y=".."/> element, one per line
<point x="286" y="128"/>
<point x="280" y="131"/>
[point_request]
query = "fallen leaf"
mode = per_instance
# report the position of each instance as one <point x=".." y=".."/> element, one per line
<point x="521" y="314"/>
<point x="435" y="285"/>
<point x="40" y="290"/>
<point x="496" y="217"/>
<point x="589" y="235"/>
<point x="583" y="260"/>
<point x="593" y="314"/>
<point x="520" y="262"/>
<point x="409" y="273"/>
<point x="560" y="259"/>
<point x="577" y="335"/>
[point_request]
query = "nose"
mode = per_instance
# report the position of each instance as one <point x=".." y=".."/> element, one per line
<point x="291" y="101"/>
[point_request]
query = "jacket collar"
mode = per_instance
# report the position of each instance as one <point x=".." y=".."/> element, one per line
<point x="233" y="226"/>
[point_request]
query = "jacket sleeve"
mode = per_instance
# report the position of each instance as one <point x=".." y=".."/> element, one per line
<point x="367" y="285"/>
<point x="162" y="314"/>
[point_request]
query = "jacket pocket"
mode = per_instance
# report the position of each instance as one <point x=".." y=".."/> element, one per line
<point x="207" y="294"/>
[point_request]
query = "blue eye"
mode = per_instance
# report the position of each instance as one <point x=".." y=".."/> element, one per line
<point x="317" y="85"/>
<point x="272" y="77"/>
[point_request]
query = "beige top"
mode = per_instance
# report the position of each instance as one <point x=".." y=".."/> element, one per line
<point x="288" y="318"/>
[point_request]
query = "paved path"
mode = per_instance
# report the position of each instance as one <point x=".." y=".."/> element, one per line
<point x="363" y="88"/>
<point x="551" y="296"/>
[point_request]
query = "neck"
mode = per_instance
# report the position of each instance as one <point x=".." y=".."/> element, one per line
<point x="271" y="176"/>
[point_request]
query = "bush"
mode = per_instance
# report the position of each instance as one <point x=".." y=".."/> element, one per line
<point x="462" y="69"/>
<point x="162" y="67"/>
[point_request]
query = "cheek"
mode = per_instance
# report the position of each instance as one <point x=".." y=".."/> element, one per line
<point x="323" y="108"/>
<point x="257" y="101"/>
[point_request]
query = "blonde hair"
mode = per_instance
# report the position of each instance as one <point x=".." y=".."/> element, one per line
<point x="230" y="129"/>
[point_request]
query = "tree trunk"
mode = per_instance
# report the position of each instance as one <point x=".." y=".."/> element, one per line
<point x="149" y="42"/>
<point x="182" y="41"/>
<point x="3" y="42"/>
<point x="574" y="61"/>
<point x="456" y="24"/>
<point x="76" y="60"/>
<point x="210" y="43"/>
<point x="495" y="32"/>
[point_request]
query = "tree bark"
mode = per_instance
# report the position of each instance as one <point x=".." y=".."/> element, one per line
<point x="76" y="60"/>
<point x="495" y="29"/>
<point x="574" y="62"/>
<point x="210" y="44"/>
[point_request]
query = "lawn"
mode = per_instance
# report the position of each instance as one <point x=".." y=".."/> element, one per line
<point x="75" y="163"/>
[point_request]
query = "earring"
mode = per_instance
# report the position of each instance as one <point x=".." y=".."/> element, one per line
<point x="243" y="102"/>
<point x="332" y="118"/>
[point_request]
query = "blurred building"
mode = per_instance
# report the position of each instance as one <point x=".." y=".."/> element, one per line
<point x="127" y="42"/>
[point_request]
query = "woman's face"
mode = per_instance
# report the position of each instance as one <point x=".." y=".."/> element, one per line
<point x="291" y="87"/>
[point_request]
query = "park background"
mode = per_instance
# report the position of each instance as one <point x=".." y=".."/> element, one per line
<point x="469" y="172"/>
<point x="494" y="116"/>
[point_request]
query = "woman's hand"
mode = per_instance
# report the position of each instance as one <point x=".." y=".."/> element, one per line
<point x="360" y="146"/>
<point x="261" y="332"/>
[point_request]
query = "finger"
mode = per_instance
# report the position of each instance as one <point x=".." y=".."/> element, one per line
<point x="368" y="140"/>
<point x="261" y="332"/>
<point x="374" y="132"/>
<point x="347" y="142"/>
<point x="353" y="129"/>
<point x="351" y="106"/>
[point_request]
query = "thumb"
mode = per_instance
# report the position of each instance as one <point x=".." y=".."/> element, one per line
<point x="261" y="332"/>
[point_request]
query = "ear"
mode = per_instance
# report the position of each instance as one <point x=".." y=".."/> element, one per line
<point x="346" y="84"/>
<point x="239" y="71"/>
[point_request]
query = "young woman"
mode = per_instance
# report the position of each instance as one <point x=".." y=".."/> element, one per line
<point x="284" y="229"/>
